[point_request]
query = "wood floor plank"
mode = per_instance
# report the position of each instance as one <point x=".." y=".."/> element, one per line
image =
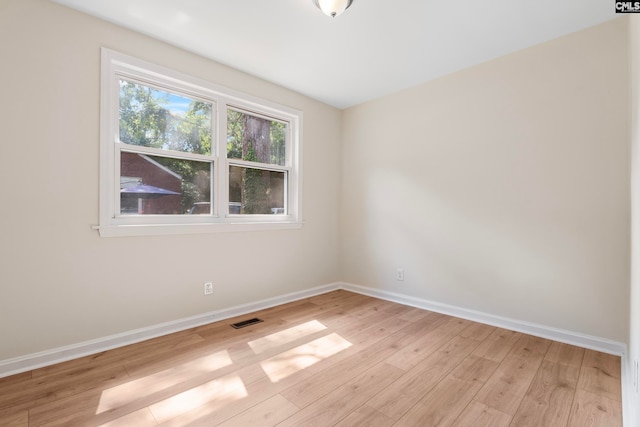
<point x="529" y="346"/>
<point x="333" y="296"/>
<point x="105" y="404"/>
<point x="21" y="378"/>
<point x="402" y="395"/>
<point x="362" y="310"/>
<point x="442" y="405"/>
<point x="377" y="325"/>
<point x="600" y="374"/>
<point x="77" y="410"/>
<point x="226" y="338"/>
<point x="350" y="307"/>
<point x="215" y="393"/>
<point x="305" y="392"/>
<point x="213" y="413"/>
<point x="477" y="414"/>
<point x="594" y="410"/>
<point x="288" y="363"/>
<point x="549" y="398"/>
<point x="477" y="331"/>
<point x="565" y="353"/>
<point x="338" y="358"/>
<point x="243" y="354"/>
<point x="268" y="413"/>
<point x="417" y="314"/>
<point x="223" y="333"/>
<point x="431" y="340"/>
<point x="337" y="405"/>
<point x="497" y="345"/>
<point x="14" y="418"/>
<point x="156" y="346"/>
<point x="339" y="298"/>
<point x="276" y="340"/>
<point x="140" y="418"/>
<point x="508" y="385"/>
<point x="43" y="390"/>
<point x="366" y="416"/>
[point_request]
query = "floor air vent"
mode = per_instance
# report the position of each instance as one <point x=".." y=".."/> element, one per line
<point x="246" y="323"/>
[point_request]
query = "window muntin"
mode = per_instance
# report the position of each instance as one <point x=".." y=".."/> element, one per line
<point x="187" y="117"/>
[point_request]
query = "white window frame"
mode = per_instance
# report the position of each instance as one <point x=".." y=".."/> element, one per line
<point x="115" y="66"/>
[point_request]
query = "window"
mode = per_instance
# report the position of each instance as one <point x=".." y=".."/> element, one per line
<point x="181" y="155"/>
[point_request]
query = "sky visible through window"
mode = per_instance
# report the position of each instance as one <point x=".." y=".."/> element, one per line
<point x="177" y="105"/>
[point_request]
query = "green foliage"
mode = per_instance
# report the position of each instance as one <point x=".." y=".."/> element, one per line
<point x="278" y="141"/>
<point x="235" y="130"/>
<point x="143" y="120"/>
<point x="256" y="191"/>
<point x="146" y="120"/>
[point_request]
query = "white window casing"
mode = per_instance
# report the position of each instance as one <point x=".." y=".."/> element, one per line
<point x="117" y="66"/>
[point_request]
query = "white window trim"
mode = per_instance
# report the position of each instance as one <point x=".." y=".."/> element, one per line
<point x="116" y="65"/>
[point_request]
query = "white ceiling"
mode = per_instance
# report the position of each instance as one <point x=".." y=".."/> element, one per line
<point x="374" y="48"/>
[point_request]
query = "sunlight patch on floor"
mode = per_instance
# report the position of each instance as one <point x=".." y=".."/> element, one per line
<point x="283" y="337"/>
<point x="215" y="394"/>
<point x="299" y="358"/>
<point x="133" y="390"/>
<point x="139" y="418"/>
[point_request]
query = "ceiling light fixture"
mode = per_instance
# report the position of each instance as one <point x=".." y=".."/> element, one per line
<point x="333" y="8"/>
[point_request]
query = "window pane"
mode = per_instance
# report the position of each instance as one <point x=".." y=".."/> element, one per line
<point x="154" y="185"/>
<point x="155" y="118"/>
<point x="256" y="191"/>
<point x="255" y="139"/>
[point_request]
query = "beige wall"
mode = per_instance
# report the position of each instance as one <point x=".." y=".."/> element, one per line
<point x="60" y="283"/>
<point x="503" y="188"/>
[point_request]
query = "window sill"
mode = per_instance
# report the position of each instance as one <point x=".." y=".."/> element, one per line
<point x="173" y="229"/>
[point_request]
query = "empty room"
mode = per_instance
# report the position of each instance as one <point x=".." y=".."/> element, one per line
<point x="320" y="213"/>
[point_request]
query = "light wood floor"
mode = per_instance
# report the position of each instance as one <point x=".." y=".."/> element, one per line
<point x="338" y="359"/>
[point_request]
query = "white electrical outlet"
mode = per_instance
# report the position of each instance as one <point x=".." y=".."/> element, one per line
<point x="208" y="288"/>
<point x="400" y="274"/>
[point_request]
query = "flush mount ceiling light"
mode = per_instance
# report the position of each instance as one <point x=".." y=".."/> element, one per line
<point x="333" y="8"/>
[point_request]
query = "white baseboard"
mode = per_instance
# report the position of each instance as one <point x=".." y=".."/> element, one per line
<point x="74" y="351"/>
<point x="568" y="337"/>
